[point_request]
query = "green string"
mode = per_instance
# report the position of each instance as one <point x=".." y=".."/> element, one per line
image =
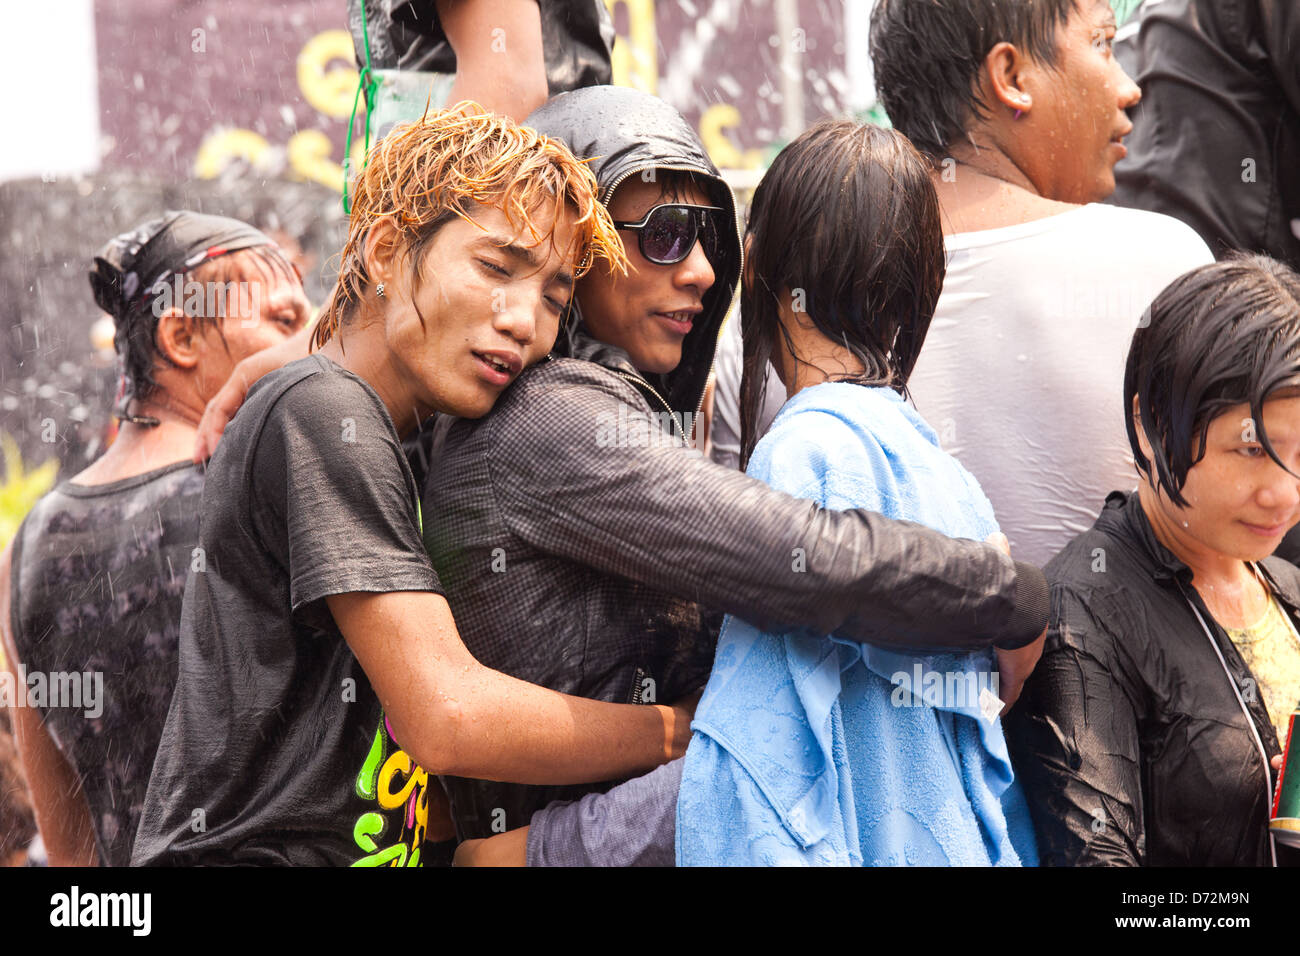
<point x="365" y="81"/>
<point x="1124" y="9"/>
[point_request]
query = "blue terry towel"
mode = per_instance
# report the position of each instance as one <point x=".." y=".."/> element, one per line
<point x="809" y="749"/>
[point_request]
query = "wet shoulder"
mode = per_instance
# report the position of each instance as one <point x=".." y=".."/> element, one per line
<point x="307" y="395"/>
<point x="846" y="421"/>
<point x="565" y="372"/>
<point x="1148" y="236"/>
<point x="72" y="508"/>
<point x="317" y="385"/>
<point x="828" y="433"/>
<point x="1103" y="571"/>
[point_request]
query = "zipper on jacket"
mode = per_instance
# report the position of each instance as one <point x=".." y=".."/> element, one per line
<point x="1250" y="722"/>
<point x="638" y="682"/>
<point x="637" y="380"/>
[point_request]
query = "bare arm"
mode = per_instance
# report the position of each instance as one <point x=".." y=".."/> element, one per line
<point x="504" y="849"/>
<point x="60" y="805"/>
<point x="1014" y="667"/>
<point x="498" y="46"/>
<point x="457" y="717"/>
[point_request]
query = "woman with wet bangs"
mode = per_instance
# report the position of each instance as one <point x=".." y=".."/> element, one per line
<point x="1148" y="733"/>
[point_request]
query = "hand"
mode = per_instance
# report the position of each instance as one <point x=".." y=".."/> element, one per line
<point x="1276" y="763"/>
<point x="686" y="705"/>
<point x="1014" y="668"/>
<point x="678" y="732"/>
<point x="506" y="849"/>
<point x="221" y="409"/>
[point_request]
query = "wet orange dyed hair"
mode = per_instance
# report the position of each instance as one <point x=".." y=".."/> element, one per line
<point x="424" y="173"/>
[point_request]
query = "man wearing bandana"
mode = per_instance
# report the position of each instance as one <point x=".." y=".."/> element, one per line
<point x="92" y="582"/>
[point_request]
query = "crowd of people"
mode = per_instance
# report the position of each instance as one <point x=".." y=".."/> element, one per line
<point x="952" y="543"/>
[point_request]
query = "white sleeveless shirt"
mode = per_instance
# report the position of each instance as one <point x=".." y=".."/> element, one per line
<point x="1022" y="372"/>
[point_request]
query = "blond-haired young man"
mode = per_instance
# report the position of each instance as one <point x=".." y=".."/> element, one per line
<point x="321" y="673"/>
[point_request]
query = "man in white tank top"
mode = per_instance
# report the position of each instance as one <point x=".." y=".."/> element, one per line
<point x="1021" y="372"/>
<point x="1021" y="109"/>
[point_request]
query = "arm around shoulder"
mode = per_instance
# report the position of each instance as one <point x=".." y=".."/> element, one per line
<point x="572" y="484"/>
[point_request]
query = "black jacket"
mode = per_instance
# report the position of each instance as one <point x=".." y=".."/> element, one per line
<point x="584" y="548"/>
<point x="1216" y="138"/>
<point x="1139" y="738"/>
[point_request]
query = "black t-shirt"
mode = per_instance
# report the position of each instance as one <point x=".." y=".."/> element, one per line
<point x="98" y="576"/>
<point x="276" y="750"/>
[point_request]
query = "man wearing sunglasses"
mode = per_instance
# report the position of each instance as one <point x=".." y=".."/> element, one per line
<point x="598" y="560"/>
<point x="649" y="312"/>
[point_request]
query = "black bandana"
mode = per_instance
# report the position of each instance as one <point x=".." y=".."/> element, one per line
<point x="136" y="266"/>
<point x="132" y="267"/>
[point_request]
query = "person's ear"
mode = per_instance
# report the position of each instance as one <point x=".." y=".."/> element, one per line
<point x="1007" y="78"/>
<point x="381" y="253"/>
<point x="179" y="338"/>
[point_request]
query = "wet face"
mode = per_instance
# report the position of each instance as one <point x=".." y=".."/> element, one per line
<point x="648" y="312"/>
<point x="491" y="297"/>
<point x="1242" y="502"/>
<point x="1068" y="141"/>
<point x="263" y="308"/>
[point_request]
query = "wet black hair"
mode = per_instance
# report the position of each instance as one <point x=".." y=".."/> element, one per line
<point x="137" y="342"/>
<point x="1221" y="335"/>
<point x="928" y="55"/>
<point x="847" y="215"/>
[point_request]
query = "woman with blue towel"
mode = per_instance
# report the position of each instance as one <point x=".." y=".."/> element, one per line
<point x="809" y="749"/>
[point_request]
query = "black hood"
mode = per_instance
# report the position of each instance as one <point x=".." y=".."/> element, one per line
<point x="623" y="132"/>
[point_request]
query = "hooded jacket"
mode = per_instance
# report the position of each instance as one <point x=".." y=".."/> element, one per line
<point x="1139" y="738"/>
<point x="584" y="547"/>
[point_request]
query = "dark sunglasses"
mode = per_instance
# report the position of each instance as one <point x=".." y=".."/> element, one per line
<point x="667" y="233"/>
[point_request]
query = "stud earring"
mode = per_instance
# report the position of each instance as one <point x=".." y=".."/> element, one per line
<point x="379" y="290"/>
